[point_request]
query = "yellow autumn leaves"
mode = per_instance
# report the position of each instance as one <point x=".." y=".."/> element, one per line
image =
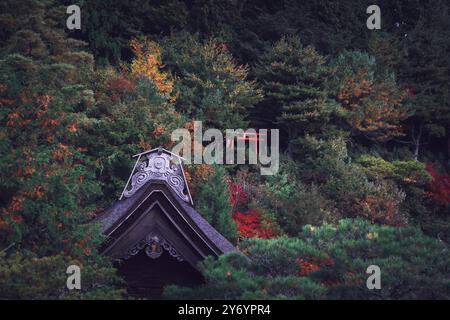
<point x="148" y="63"/>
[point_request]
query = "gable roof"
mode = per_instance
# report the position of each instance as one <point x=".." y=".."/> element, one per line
<point x="159" y="200"/>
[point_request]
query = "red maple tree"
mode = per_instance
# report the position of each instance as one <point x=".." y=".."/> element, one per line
<point x="252" y="225"/>
<point x="439" y="186"/>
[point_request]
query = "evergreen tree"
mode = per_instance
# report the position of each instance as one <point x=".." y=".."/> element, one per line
<point x="356" y="128"/>
<point x="133" y="111"/>
<point x="35" y="29"/>
<point x="424" y="32"/>
<point x="48" y="186"/>
<point x="214" y="204"/>
<point x="293" y="79"/>
<point x="108" y="25"/>
<point x="210" y="86"/>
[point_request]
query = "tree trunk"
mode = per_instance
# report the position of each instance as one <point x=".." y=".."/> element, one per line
<point x="416" y="149"/>
<point x="416" y="141"/>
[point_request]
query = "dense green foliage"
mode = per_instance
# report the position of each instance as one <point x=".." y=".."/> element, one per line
<point x="49" y="186"/>
<point x="364" y="132"/>
<point x="293" y="79"/>
<point x="214" y="204"/>
<point x="211" y="86"/>
<point x="329" y="262"/>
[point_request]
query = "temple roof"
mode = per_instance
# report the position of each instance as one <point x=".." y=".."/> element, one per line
<point x="158" y="201"/>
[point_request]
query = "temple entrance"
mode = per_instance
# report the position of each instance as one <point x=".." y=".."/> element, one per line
<point x="146" y="277"/>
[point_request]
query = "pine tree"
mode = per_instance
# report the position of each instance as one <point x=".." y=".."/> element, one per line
<point x="321" y="264"/>
<point x="209" y="84"/>
<point x="293" y="79"/>
<point x="108" y="25"/>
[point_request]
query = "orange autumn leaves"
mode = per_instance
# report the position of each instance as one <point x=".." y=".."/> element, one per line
<point x="36" y="124"/>
<point x="148" y="63"/>
<point x="374" y="107"/>
<point x="11" y="213"/>
<point x="20" y="118"/>
<point x="61" y="152"/>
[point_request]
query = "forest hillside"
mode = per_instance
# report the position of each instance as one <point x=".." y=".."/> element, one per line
<point x="363" y="116"/>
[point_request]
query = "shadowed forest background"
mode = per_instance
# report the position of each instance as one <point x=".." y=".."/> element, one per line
<point x="364" y="119"/>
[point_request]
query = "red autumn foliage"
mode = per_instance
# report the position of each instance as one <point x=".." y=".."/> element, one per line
<point x="380" y="210"/>
<point x="120" y="86"/>
<point x="439" y="186"/>
<point x="309" y="266"/>
<point x="306" y="267"/>
<point x="252" y="225"/>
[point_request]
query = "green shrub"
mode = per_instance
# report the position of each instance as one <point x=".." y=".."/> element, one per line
<point x="329" y="262"/>
<point x="24" y="275"/>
